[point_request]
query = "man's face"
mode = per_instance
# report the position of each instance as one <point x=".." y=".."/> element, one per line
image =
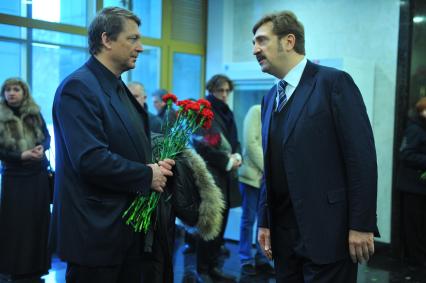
<point x="125" y="50"/>
<point x="158" y="103"/>
<point x="268" y="50"/>
<point x="138" y="93"/>
<point x="222" y="92"/>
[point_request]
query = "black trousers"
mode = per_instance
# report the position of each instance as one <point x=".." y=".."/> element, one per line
<point x="414" y="225"/>
<point x="293" y="266"/>
<point x="208" y="251"/>
<point x="129" y="271"/>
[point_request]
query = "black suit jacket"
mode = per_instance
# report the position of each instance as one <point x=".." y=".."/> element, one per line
<point x="99" y="167"/>
<point x="330" y="160"/>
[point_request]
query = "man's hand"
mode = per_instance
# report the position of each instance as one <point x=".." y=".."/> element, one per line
<point x="158" y="178"/>
<point x="160" y="172"/>
<point x="361" y="246"/>
<point x="167" y="164"/>
<point x="264" y="239"/>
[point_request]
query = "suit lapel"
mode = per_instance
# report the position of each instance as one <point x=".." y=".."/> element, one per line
<point x="301" y="96"/>
<point x="121" y="111"/>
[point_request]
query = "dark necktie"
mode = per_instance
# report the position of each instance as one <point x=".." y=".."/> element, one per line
<point x="282" y="97"/>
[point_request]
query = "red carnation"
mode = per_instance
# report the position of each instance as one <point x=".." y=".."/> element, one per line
<point x="205" y="102"/>
<point x="194" y="106"/>
<point x="169" y="97"/>
<point x="207" y="113"/>
<point x="207" y="124"/>
<point x="183" y="103"/>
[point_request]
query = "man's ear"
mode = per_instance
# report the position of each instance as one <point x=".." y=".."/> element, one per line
<point x="106" y="41"/>
<point x="288" y="42"/>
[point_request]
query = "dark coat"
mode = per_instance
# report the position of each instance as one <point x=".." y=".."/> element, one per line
<point x="193" y="197"/>
<point x="25" y="194"/>
<point x="413" y="158"/>
<point x="216" y="156"/>
<point x="330" y="159"/>
<point x="100" y="167"/>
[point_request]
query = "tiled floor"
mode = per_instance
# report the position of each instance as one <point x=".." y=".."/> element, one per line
<point x="382" y="269"/>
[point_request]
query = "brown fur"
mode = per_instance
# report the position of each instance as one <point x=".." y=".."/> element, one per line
<point x="20" y="133"/>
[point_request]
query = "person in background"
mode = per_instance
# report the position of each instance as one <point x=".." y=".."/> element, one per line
<point x="25" y="193"/>
<point x="250" y="176"/>
<point x="160" y="106"/>
<point x="413" y="165"/>
<point x="220" y="148"/>
<point x="138" y="91"/>
<point x="318" y="202"/>
<point x="103" y="157"/>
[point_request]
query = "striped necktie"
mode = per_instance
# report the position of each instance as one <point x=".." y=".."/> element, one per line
<point x="282" y="97"/>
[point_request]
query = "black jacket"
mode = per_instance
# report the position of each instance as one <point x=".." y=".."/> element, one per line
<point x="413" y="158"/>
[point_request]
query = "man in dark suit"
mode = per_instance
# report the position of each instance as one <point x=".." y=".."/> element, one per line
<point x="103" y="157"/>
<point x="317" y="215"/>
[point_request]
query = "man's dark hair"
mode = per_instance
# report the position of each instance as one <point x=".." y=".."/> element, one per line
<point x="111" y="21"/>
<point x="284" y="23"/>
<point x="216" y="82"/>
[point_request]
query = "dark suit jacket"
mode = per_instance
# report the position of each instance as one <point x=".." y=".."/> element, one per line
<point x="330" y="160"/>
<point x="99" y="167"/>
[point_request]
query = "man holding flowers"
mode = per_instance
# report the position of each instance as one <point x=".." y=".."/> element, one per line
<point x="103" y="157"/>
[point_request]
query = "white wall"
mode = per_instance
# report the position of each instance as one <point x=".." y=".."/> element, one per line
<point x="363" y="30"/>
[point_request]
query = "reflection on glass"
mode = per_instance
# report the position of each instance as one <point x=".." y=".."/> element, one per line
<point x="186" y="75"/>
<point x="244" y="98"/>
<point x="59" y="37"/>
<point x="150" y="13"/>
<point x="10" y="56"/>
<point x="15" y="8"/>
<point x="12" y="31"/>
<point x="147" y="71"/>
<point x="50" y="65"/>
<point x="66" y="12"/>
<point x="117" y="3"/>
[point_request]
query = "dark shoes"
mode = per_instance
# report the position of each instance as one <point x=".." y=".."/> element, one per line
<point x="218" y="275"/>
<point x="265" y="268"/>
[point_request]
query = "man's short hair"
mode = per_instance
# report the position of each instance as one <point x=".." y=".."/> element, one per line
<point x="284" y="23"/>
<point x="111" y="21"/>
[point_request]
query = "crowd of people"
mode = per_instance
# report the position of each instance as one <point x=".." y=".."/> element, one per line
<point x="307" y="169"/>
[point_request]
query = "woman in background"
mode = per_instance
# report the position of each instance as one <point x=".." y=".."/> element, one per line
<point x="220" y="148"/>
<point x="25" y="194"/>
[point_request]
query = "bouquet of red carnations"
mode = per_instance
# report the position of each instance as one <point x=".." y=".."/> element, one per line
<point x="191" y="115"/>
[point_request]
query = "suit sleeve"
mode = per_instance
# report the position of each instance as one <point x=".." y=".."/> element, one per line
<point x="262" y="211"/>
<point x="81" y="124"/>
<point x="357" y="145"/>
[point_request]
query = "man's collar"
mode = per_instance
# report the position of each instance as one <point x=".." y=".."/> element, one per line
<point x="295" y="74"/>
